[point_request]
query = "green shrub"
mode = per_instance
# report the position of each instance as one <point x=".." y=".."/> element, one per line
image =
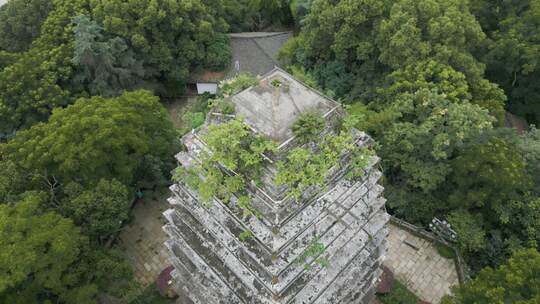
<point x="308" y="126"/>
<point x="237" y="84"/>
<point x="445" y="251"/>
<point x="222" y="106"/>
<point x="399" y="295"/>
<point x="246" y="235"/>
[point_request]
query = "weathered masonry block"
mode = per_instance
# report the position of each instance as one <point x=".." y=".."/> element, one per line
<point x="325" y="247"/>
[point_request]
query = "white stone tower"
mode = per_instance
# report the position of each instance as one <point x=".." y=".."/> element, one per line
<point x="327" y="247"/>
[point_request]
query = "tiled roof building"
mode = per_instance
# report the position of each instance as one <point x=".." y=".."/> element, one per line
<point x="256" y="53"/>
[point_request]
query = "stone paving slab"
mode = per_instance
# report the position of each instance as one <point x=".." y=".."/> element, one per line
<point x="421" y="269"/>
<point x="142" y="239"/>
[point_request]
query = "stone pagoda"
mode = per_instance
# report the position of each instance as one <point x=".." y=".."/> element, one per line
<point x="325" y="247"/>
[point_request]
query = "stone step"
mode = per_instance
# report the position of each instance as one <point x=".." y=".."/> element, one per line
<point x="238" y="278"/>
<point x="318" y="277"/>
<point x="215" y="288"/>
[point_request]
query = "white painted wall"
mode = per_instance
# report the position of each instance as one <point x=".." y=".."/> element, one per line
<point x="203" y="87"/>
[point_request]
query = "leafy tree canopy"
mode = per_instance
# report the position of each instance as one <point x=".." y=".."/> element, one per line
<point x="489" y="172"/>
<point x="100" y="210"/>
<point x="491" y="200"/>
<point x="98" y="138"/>
<point x="20" y="23"/>
<point x="513" y="56"/>
<point x="337" y="44"/>
<point x="38" y="250"/>
<point x="517" y="281"/>
<point x="172" y="38"/>
<point x="36" y="81"/>
<point x="529" y="144"/>
<point x="429" y="130"/>
<point x="103" y="67"/>
<point x="404" y="45"/>
<point x="252" y="15"/>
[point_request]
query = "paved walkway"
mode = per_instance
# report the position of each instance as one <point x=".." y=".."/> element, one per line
<point x="142" y="239"/>
<point x="423" y="270"/>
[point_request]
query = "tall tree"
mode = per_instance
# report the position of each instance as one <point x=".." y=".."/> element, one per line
<point x="37" y="80"/>
<point x="529" y="144"/>
<point x="38" y="250"/>
<point x="20" y="23"/>
<point x="374" y="42"/>
<point x="45" y="259"/>
<point x="443" y="31"/>
<point x="12" y="181"/>
<point x="172" y="38"/>
<point x="426" y="133"/>
<point x="491" y="202"/>
<point x="513" y="59"/>
<point x="98" y="138"/>
<point x="105" y="67"/>
<point x="100" y="210"/>
<point x="337" y="45"/>
<point x="517" y="281"/>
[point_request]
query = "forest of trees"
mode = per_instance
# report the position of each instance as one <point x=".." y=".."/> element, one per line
<point x="82" y="129"/>
<point x="431" y="81"/>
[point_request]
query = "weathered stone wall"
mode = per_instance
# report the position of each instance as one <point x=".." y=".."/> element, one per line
<point x="346" y="222"/>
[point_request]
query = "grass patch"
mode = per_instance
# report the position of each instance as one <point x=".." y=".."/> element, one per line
<point x="151" y="296"/>
<point x="400" y="294"/>
<point x="188" y="113"/>
<point x="445" y="251"/>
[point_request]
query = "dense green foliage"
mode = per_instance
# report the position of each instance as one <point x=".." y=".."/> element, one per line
<point x="397" y="46"/>
<point x="308" y="127"/>
<point x="516" y="281"/>
<point x="20" y="23"/>
<point x="38" y="250"/>
<point x="103" y="67"/>
<point x="424" y="136"/>
<point x="490" y="200"/>
<point x="529" y="145"/>
<point x="37" y="81"/>
<point x="398" y="295"/>
<point x="308" y="166"/>
<point x="100" y="210"/>
<point x="513" y="51"/>
<point x="233" y="160"/>
<point x="101" y="48"/>
<point x="253" y="15"/>
<point x="172" y="38"/>
<point x="416" y="75"/>
<point x="45" y="258"/>
<point x="151" y="295"/>
<point x="83" y="164"/>
<point x="97" y="138"/>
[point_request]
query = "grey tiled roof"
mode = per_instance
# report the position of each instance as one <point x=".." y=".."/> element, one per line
<point x="256" y="53"/>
